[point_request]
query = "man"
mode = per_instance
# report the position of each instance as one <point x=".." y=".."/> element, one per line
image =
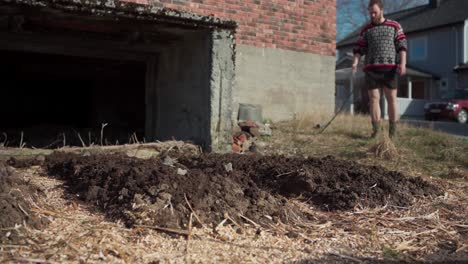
<point x="384" y="45"/>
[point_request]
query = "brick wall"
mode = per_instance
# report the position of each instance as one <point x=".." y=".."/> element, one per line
<point x="299" y="25"/>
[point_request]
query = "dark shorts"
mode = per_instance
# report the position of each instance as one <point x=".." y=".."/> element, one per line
<point x="376" y="79"/>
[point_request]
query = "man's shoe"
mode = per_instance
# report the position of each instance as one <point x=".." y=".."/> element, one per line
<point x="375" y="130"/>
<point x="392" y="129"/>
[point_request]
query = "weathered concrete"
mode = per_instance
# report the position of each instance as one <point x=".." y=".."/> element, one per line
<point x="284" y="82"/>
<point x="182" y="92"/>
<point x="189" y="59"/>
<point x="192" y="92"/>
<point x="128" y="10"/>
<point x="221" y="92"/>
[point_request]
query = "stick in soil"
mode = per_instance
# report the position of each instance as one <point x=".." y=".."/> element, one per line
<point x="345" y="257"/>
<point x="226" y="215"/>
<point x="249" y="220"/>
<point x="193" y="212"/>
<point x="167" y="230"/>
<point x="188" y="239"/>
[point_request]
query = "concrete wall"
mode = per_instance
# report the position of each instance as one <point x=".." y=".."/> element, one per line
<point x="284" y="82"/>
<point x="181" y="109"/>
<point x="191" y="97"/>
<point x="221" y="90"/>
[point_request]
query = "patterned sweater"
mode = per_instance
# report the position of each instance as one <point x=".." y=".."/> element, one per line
<point x="381" y="44"/>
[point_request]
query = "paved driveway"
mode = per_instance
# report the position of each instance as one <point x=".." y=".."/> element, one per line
<point x="453" y="128"/>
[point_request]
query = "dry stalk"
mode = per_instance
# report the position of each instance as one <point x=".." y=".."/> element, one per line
<point x="193" y="212"/>
<point x="3" y="144"/>
<point x="22" y="210"/>
<point x="102" y="131"/>
<point x="135" y="138"/>
<point x="187" y="253"/>
<point x="226" y="215"/>
<point x="21" y="145"/>
<point x="26" y="260"/>
<point x="89" y="139"/>
<point x="82" y="142"/>
<point x="345" y="257"/>
<point x="249" y="220"/>
<point x="168" y="230"/>
<point x="385" y="149"/>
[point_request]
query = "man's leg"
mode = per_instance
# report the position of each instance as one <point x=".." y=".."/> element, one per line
<point x="374" y="108"/>
<point x="391" y="96"/>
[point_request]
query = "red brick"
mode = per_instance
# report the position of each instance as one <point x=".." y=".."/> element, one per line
<point x="266" y="23"/>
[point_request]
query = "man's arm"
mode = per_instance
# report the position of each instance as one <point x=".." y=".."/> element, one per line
<point x="401" y="45"/>
<point x="403" y="62"/>
<point x="360" y="48"/>
<point x="357" y="56"/>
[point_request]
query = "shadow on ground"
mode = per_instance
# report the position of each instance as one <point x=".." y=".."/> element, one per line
<point x="336" y="259"/>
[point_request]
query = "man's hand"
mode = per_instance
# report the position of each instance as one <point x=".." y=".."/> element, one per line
<point x="354" y="67"/>
<point x="356" y="58"/>
<point x="402" y="69"/>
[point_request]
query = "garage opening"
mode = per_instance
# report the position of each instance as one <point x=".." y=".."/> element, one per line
<point x="54" y="100"/>
<point x="105" y="74"/>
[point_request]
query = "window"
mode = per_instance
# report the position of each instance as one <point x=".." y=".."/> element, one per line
<point x="418" y="49"/>
<point x="418" y="91"/>
<point x="443" y="84"/>
<point x="403" y="89"/>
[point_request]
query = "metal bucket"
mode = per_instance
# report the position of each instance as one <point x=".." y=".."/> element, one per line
<point x="250" y="112"/>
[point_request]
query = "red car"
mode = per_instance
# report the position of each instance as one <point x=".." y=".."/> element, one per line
<point x="454" y="105"/>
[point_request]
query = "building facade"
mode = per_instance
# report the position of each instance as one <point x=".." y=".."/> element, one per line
<point x="200" y="59"/>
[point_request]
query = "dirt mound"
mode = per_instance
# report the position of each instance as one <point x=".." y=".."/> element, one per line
<point x="25" y="162"/>
<point x="154" y="191"/>
<point x="14" y="208"/>
<point x="328" y="183"/>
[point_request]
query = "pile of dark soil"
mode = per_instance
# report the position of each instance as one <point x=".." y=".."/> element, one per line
<point x="153" y="191"/>
<point x="14" y="206"/>
<point x="27" y="162"/>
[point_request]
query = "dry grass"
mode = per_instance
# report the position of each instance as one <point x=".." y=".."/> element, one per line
<point x="420" y="152"/>
<point x="385" y="149"/>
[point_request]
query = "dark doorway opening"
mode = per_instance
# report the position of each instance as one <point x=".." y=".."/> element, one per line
<point x="54" y="100"/>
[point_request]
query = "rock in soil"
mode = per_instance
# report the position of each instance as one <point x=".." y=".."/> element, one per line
<point x="258" y="187"/>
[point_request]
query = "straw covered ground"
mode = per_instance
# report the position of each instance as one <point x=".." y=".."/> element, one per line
<point x="180" y="206"/>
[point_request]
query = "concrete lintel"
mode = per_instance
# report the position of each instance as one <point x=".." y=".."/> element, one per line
<point x="121" y="9"/>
